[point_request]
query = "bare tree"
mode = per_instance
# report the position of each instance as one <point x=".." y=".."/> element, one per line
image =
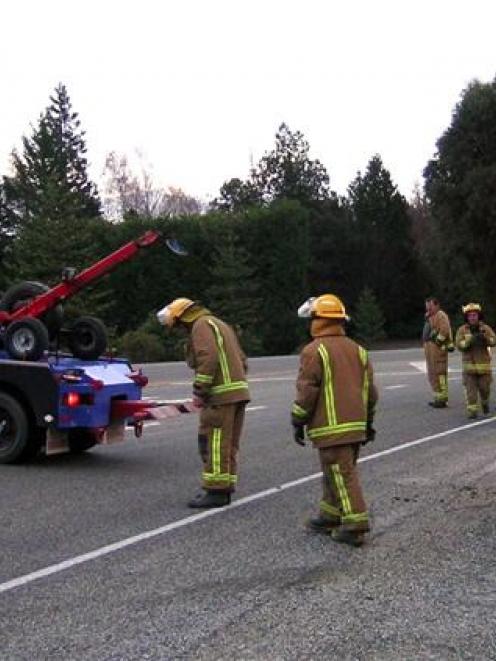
<point x="126" y="192"/>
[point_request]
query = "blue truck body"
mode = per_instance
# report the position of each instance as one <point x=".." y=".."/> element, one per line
<point x="66" y="403"/>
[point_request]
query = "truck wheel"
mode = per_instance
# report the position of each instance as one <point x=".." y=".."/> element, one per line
<point x="26" y="339"/>
<point x="21" y="293"/>
<point x="14" y="430"/>
<point x="88" y="338"/>
<point x="80" y="440"/>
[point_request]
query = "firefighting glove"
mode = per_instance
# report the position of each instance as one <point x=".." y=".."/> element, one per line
<point x="299" y="434"/>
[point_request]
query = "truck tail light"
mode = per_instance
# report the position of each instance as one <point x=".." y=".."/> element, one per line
<point x="73" y="399"/>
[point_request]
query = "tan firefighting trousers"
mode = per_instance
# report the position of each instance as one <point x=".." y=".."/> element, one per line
<point x="342" y="500"/>
<point x="437" y="371"/>
<point x="218" y="443"/>
<point x="476" y="385"/>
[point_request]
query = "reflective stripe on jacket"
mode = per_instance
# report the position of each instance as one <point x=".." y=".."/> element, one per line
<point x="476" y="357"/>
<point x="219" y="362"/>
<point x="335" y="389"/>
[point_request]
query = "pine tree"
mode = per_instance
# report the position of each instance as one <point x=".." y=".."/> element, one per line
<point x="368" y="319"/>
<point x="288" y="172"/>
<point x="50" y="199"/>
<point x="384" y="256"/>
<point x="234" y="292"/>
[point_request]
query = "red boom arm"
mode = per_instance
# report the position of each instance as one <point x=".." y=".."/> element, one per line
<point x="48" y="300"/>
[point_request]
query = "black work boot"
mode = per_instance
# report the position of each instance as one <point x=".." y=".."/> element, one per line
<point x="438" y="404"/>
<point x="350" y="537"/>
<point x="210" y="499"/>
<point x="319" y="524"/>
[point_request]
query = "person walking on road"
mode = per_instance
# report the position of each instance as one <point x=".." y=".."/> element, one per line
<point x="438" y="341"/>
<point x="335" y="403"/>
<point x="220" y="389"/>
<point x="473" y="339"/>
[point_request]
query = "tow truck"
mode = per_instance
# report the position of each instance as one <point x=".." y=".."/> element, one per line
<point x="68" y="402"/>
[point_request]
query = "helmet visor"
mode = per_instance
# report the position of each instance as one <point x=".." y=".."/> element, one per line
<point x="305" y="310"/>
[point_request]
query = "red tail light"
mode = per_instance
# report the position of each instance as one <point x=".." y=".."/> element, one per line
<point x="72" y="399"/>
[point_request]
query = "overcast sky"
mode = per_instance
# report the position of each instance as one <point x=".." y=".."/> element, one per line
<point x="200" y="86"/>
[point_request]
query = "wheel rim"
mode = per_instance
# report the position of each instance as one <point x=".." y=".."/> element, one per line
<point x="8" y="431"/>
<point x="85" y="338"/>
<point x="23" y="340"/>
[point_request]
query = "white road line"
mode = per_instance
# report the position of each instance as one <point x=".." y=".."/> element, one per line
<point x="255" y="408"/>
<point x="420" y="366"/>
<point x="175" y="525"/>
<point x="399" y="385"/>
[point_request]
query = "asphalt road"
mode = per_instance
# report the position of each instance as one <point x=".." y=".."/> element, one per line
<point x="101" y="559"/>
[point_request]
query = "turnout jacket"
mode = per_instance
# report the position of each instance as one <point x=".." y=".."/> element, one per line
<point x="437" y="331"/>
<point x="335" y="392"/>
<point x="213" y="351"/>
<point x="475" y="348"/>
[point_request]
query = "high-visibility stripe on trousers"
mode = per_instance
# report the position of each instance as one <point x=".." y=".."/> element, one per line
<point x="219" y="436"/>
<point x="476" y="385"/>
<point x="342" y="500"/>
<point x="437" y="373"/>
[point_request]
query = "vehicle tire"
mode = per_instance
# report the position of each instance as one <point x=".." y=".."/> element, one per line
<point x="26" y="339"/>
<point x="21" y="293"/>
<point x="87" y="338"/>
<point x="80" y="440"/>
<point x="14" y="430"/>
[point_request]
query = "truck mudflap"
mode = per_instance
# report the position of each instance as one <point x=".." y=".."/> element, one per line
<point x="124" y="413"/>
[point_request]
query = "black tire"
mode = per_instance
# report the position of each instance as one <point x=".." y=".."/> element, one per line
<point x="14" y="430"/>
<point x="26" y="339"/>
<point x="87" y="338"/>
<point x="21" y="293"/>
<point x="80" y="440"/>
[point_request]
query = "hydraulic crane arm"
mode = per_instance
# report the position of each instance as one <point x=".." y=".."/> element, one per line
<point x="70" y="286"/>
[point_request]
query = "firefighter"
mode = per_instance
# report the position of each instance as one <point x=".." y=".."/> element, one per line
<point x="335" y="401"/>
<point x="473" y="339"/>
<point x="221" y="390"/>
<point x="438" y="341"/>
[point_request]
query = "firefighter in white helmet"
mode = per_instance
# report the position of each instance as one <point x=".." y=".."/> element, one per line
<point x="473" y="339"/>
<point x="220" y="386"/>
<point x="334" y="404"/>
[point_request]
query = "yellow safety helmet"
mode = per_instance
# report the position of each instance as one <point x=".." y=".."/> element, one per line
<point x="472" y="307"/>
<point x="169" y="314"/>
<point x="326" y="306"/>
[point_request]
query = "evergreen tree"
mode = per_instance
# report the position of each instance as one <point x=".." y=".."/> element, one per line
<point x="236" y="195"/>
<point x="50" y="176"/>
<point x="50" y="200"/>
<point x="276" y="238"/>
<point x="385" y="258"/>
<point x="460" y="190"/>
<point x="288" y="172"/>
<point x="234" y="292"/>
<point x="368" y="318"/>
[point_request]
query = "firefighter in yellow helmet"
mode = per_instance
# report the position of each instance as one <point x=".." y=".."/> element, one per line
<point x="335" y="402"/>
<point x="438" y="341"/>
<point x="473" y="339"/>
<point x="220" y="387"/>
